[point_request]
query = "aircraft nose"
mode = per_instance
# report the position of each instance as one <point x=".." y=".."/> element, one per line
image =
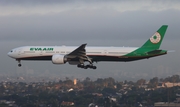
<point x="9" y="54"/>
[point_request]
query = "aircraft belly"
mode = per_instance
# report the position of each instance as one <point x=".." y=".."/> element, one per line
<point x="113" y="58"/>
<point x="37" y="58"/>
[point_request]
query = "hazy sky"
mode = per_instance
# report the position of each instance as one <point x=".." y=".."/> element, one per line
<point x="97" y="23"/>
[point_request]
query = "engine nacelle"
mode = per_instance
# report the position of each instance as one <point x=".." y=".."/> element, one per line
<point x="58" y="59"/>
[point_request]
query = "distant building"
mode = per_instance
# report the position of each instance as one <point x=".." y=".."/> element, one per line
<point x="92" y="105"/>
<point x="113" y="99"/>
<point x="71" y="89"/>
<point x="167" y="84"/>
<point x="64" y="103"/>
<point x="97" y="94"/>
<point x="75" y="81"/>
<point x="166" y="104"/>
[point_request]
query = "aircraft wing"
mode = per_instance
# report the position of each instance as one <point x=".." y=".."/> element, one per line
<point x="79" y="53"/>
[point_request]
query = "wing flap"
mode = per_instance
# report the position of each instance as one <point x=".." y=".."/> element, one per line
<point x="79" y="53"/>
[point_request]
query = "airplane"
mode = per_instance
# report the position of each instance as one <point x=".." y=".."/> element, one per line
<point x="75" y="55"/>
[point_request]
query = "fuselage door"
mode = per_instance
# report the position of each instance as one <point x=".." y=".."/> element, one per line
<point x="41" y="52"/>
<point x="19" y="51"/>
<point x="105" y="52"/>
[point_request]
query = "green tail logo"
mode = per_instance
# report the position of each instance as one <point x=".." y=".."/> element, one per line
<point x="155" y="41"/>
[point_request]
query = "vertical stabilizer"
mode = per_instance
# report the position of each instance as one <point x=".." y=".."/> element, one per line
<point x="155" y="41"/>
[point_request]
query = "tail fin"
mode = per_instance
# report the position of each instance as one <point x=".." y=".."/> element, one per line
<point x="155" y="41"/>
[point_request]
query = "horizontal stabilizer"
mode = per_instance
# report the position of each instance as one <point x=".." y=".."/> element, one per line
<point x="154" y="52"/>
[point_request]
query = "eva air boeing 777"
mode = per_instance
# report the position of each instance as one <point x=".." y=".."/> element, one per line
<point x="79" y="55"/>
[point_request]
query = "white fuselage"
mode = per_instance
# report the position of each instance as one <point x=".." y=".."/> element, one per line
<point x="39" y="51"/>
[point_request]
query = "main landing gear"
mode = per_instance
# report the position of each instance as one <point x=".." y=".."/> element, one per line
<point x="86" y="66"/>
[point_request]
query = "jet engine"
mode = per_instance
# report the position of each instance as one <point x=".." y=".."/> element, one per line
<point x="59" y="59"/>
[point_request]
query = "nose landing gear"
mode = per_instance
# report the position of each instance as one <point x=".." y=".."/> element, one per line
<point x="19" y="63"/>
